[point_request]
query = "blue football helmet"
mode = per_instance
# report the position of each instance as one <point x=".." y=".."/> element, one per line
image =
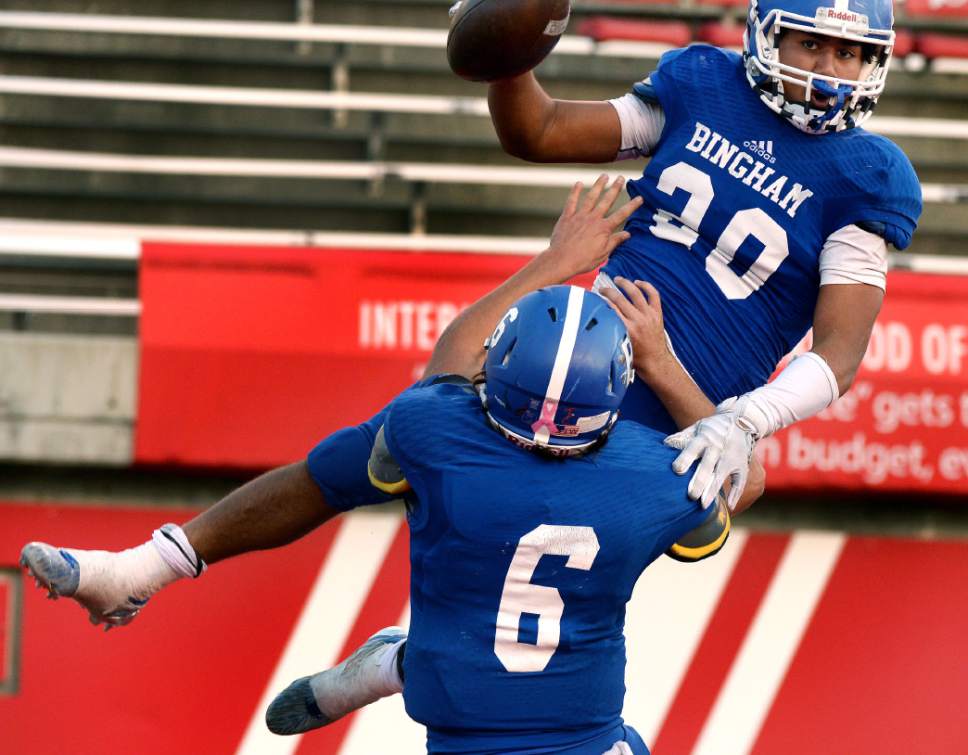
<point x="558" y="365"/>
<point x="866" y="22"/>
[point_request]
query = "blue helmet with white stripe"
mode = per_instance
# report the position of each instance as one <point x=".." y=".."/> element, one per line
<point x="866" y="22"/>
<point x="558" y="365"/>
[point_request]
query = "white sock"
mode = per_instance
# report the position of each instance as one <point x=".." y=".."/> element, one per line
<point x="361" y="679"/>
<point x="109" y="578"/>
<point x="387" y="665"/>
<point x="174" y="548"/>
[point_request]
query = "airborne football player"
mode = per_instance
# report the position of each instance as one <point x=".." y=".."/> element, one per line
<point x="767" y="207"/>
<point x="766" y="210"/>
<point x="557" y="372"/>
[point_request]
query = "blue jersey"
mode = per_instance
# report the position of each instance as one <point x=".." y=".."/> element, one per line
<point x="337" y="463"/>
<point x="737" y="206"/>
<point x="521" y="567"/>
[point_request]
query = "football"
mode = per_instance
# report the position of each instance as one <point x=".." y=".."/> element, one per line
<point x="498" y="39"/>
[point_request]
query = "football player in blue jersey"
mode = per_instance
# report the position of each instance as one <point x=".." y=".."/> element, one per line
<point x="767" y="208"/>
<point x="527" y="534"/>
<point x="508" y="651"/>
<point x="286" y="503"/>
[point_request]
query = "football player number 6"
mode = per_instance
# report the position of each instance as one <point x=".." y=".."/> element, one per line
<point x="520" y="596"/>
<point x="745" y="223"/>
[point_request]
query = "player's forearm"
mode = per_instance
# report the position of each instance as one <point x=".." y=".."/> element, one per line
<point x="755" y="487"/>
<point x="843" y="319"/>
<point x="584" y="236"/>
<point x="678" y="392"/>
<point x="842" y="324"/>
<point x="843" y="365"/>
<point x="687" y="404"/>
<point x="270" y="511"/>
<point x="460" y="349"/>
<point x="843" y="358"/>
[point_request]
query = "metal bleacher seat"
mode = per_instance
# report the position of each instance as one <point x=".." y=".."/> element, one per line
<point x="934" y="46"/>
<point x="346" y="126"/>
<point x="603" y="28"/>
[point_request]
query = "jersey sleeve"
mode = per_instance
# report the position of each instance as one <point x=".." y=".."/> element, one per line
<point x="383" y="469"/>
<point x="403" y="433"/>
<point x="684" y="76"/>
<point x="338" y="465"/>
<point x="853" y="255"/>
<point x="887" y="196"/>
<point x="642" y="121"/>
<point x="663" y="84"/>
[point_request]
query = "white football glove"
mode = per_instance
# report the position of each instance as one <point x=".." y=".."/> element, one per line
<point x="725" y="442"/>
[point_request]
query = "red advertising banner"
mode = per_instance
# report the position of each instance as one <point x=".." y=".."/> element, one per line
<point x="7" y="630"/>
<point x="936" y="8"/>
<point x="782" y="643"/>
<point x="250" y="355"/>
<point x="904" y="423"/>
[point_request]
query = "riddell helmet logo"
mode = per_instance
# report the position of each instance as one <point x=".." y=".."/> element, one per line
<point x="841" y="16"/>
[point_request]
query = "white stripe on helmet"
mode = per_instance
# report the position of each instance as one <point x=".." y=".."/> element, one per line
<point x="566" y="348"/>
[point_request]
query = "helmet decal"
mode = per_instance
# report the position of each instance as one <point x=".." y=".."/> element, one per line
<point x="510" y="316"/>
<point x="544" y="426"/>
<point x="557" y="370"/>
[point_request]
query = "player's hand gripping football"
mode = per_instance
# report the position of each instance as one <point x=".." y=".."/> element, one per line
<point x="724" y="444"/>
<point x="586" y="234"/>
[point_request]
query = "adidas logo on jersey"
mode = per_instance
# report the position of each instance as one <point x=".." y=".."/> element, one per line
<point x="763" y="150"/>
<point x="757" y="174"/>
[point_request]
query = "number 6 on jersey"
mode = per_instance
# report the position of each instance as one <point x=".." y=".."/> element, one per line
<point x="520" y="596"/>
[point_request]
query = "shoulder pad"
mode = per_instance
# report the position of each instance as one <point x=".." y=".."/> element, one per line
<point x="707" y="539"/>
<point x="382" y="469"/>
<point x="451" y="379"/>
<point x="873" y="226"/>
<point x="646" y="92"/>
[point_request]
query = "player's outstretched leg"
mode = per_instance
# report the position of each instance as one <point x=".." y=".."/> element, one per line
<point x="369" y="673"/>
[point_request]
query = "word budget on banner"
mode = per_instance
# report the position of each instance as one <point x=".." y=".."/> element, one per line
<point x="904" y="423"/>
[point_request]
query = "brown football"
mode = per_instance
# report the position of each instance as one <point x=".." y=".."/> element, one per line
<point x="497" y="39"/>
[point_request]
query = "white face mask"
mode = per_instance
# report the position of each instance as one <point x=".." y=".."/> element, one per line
<point x="853" y="99"/>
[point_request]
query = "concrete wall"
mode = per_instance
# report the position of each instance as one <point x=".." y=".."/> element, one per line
<point x="67" y="399"/>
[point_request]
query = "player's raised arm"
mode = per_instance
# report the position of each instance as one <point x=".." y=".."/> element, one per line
<point x="501" y="43"/>
<point x="583" y="238"/>
<point x="534" y="126"/>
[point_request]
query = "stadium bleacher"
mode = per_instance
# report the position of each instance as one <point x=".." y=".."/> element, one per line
<point x="258" y="64"/>
<point x="331" y="116"/>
